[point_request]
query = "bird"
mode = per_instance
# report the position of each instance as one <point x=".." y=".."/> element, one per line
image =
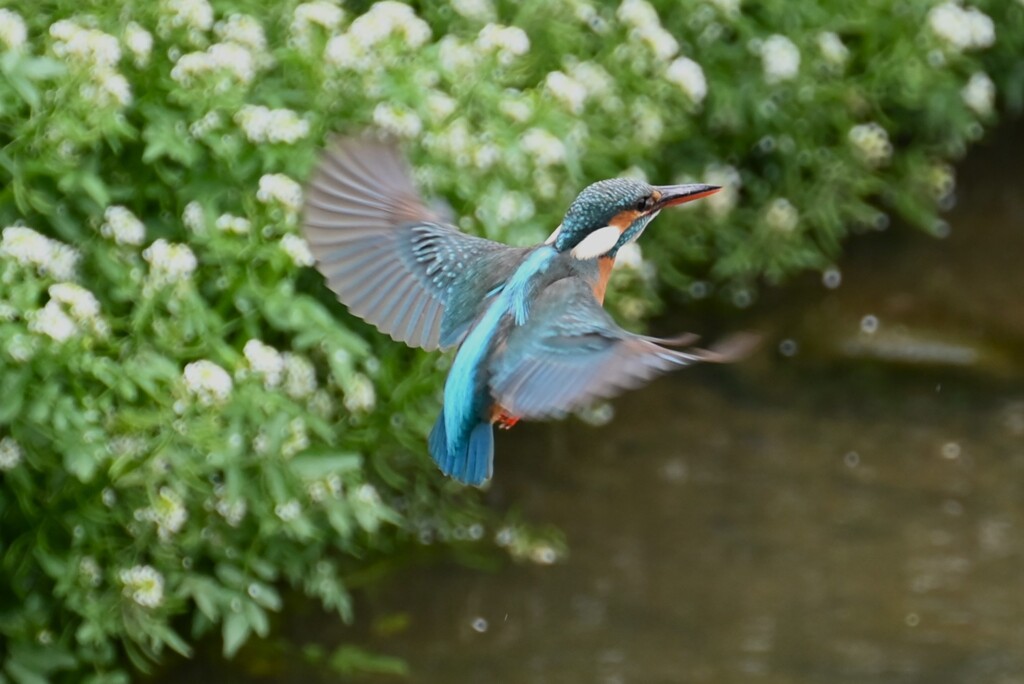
<point x="533" y="339"/>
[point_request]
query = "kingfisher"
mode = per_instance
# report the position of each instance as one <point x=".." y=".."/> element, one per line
<point x="533" y="338"/>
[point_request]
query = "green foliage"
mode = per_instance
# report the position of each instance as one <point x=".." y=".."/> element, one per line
<point x="188" y="421"/>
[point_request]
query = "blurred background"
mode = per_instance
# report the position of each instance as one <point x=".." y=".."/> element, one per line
<point x="209" y="469"/>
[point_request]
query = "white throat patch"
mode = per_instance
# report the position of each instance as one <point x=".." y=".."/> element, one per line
<point x="554" y="236"/>
<point x="599" y="242"/>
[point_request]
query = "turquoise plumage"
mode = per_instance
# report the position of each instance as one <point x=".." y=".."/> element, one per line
<point x="533" y="339"/>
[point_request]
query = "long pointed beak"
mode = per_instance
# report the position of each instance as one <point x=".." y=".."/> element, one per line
<point x="672" y="195"/>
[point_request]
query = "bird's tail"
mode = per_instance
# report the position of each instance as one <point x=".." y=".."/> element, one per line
<point x="471" y="462"/>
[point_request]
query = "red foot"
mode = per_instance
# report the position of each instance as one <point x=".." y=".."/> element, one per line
<point x="504" y="419"/>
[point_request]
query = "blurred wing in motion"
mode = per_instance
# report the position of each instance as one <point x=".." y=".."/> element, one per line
<point x="387" y="256"/>
<point x="571" y="353"/>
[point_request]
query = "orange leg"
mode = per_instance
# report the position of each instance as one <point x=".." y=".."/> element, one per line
<point x="503" y="418"/>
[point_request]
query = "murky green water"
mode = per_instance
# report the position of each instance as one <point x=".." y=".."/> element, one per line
<point x="825" y="517"/>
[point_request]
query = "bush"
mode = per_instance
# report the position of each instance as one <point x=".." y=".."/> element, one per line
<point x="189" y="421"/>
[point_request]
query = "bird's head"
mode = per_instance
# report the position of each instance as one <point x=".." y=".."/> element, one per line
<point x="611" y="213"/>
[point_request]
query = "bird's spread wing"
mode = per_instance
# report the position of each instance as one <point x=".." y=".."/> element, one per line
<point x="570" y="353"/>
<point x="386" y="255"/>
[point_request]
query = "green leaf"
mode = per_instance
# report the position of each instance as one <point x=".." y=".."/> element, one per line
<point x="235" y="631"/>
<point x="352" y="660"/>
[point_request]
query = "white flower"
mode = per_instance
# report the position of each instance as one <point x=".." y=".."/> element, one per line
<point x="980" y="94"/>
<point x="832" y="48"/>
<point x="941" y="180"/>
<point x="360" y="396"/>
<point x="144" y="584"/>
<point x="10" y="450"/>
<point x="207" y="381"/>
<point x="229" y="223"/>
<point x="169" y="262"/>
<point x="962" y="29"/>
<point x="276" y="187"/>
<point x="780" y="58"/>
<point x="122" y="226"/>
<point x="728" y="178"/>
<point x="288" y="511"/>
<point x="88" y="47"/>
<point x="386" y="19"/>
<point x="570" y="92"/>
<point x="47" y="256"/>
<point x="53" y="322"/>
<point x="261" y="124"/>
<point x="299" y="376"/>
<point x="689" y="76"/>
<point x="229" y="59"/>
<point x="265" y="361"/>
<point x="486" y="155"/>
<point x="871" y="142"/>
<point x="782" y="216"/>
<point x="397" y="119"/>
<point x="110" y="88"/>
<point x="232" y="511"/>
<point x="189" y="14"/>
<point x="440" y="106"/>
<point x="297" y="439"/>
<point x="168" y="512"/>
<point x="662" y="43"/>
<point x="517" y="108"/>
<point x="139" y="42"/>
<point x="546" y="149"/>
<point x="344" y="52"/>
<point x="476" y="10"/>
<point x="455" y="56"/>
<point x="13" y="33"/>
<point x="243" y="29"/>
<point x="83" y="304"/>
<point x="193" y="217"/>
<point x="638" y="14"/>
<point x="508" y="42"/>
<point x="325" y="14"/>
<point x="297" y="249"/>
<point x="592" y="76"/>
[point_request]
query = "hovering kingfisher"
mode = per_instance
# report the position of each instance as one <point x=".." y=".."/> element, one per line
<point x="533" y="339"/>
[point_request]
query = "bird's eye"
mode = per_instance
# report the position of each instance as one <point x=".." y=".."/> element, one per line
<point x="643" y="204"/>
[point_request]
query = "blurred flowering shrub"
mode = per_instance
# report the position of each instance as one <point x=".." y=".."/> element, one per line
<point x="188" y="421"/>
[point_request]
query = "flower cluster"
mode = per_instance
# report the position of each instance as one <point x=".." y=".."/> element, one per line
<point x="10" y="453"/>
<point x="689" y="76"/>
<point x="47" y="256"/>
<point x="192" y="15"/>
<point x="546" y="149"/>
<point x="398" y="119"/>
<point x="168" y="512"/>
<point x="207" y="382"/>
<point x="144" y="585"/>
<point x="244" y="30"/>
<point x="780" y="59"/>
<point x="360" y="396"/>
<point x="782" y="216"/>
<point x="960" y="28"/>
<point x="507" y="42"/>
<point x="646" y="25"/>
<point x="980" y="94"/>
<point x="169" y="262"/>
<point x="261" y="124"/>
<point x="12" y="30"/>
<point x="279" y="188"/>
<point x="265" y="361"/>
<point x="832" y="49"/>
<point x="229" y="223"/>
<point x="297" y="250"/>
<point x="139" y="42"/>
<point x="871" y="143"/>
<point x="122" y="226"/>
<point x="228" y="63"/>
<point x="94" y="54"/>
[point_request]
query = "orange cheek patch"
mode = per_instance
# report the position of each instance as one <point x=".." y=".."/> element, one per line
<point x="624" y="219"/>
